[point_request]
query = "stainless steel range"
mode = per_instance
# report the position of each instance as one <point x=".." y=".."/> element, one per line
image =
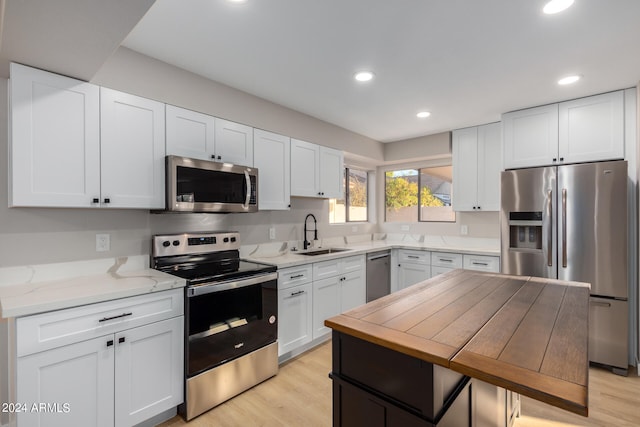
<point x="231" y="308"/>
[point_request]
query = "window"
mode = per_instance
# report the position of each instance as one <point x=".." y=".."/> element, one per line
<point x="353" y="208"/>
<point x="413" y="195"/>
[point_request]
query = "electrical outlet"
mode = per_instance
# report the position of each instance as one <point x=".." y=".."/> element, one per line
<point x="103" y="242"/>
<point x="272" y="233"/>
<point x="464" y="230"/>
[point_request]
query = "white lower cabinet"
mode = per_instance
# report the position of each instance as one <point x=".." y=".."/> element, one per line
<point x="294" y="308"/>
<point x="344" y="290"/>
<point x="121" y="378"/>
<point x="414" y="266"/>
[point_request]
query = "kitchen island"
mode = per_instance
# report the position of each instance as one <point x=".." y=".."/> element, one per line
<point x="420" y="355"/>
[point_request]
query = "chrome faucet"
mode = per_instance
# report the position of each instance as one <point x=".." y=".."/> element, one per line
<point x="306" y="243"/>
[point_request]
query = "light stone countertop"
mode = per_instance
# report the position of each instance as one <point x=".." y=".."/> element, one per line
<point x="36" y="289"/>
<point x="276" y="253"/>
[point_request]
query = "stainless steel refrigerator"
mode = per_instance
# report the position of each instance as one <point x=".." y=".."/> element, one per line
<point x="570" y="222"/>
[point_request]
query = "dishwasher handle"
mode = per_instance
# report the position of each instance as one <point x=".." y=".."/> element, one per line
<point x="375" y="257"/>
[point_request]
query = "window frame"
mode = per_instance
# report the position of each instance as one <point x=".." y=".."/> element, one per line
<point x="346" y="197"/>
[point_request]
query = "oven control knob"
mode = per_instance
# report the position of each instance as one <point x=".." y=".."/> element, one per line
<point x="176" y="242"/>
<point x="233" y="239"/>
<point x="226" y="240"/>
<point x="166" y="243"/>
<point x="272" y="320"/>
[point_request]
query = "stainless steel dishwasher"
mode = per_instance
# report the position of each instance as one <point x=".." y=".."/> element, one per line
<point x="378" y="274"/>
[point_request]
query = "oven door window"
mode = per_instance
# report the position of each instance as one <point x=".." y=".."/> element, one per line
<point x="228" y="324"/>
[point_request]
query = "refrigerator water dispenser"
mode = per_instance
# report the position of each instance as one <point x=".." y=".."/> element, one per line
<point x="525" y="230"/>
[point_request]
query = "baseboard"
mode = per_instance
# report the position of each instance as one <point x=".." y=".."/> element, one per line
<point x="159" y="419"/>
<point x="304" y="348"/>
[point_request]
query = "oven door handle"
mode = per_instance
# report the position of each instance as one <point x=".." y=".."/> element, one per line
<point x="247" y="180"/>
<point x="208" y="288"/>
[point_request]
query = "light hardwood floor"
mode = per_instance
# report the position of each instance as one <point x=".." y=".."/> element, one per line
<point x="300" y="395"/>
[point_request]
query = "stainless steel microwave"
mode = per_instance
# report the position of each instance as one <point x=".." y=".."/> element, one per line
<point x="195" y="185"/>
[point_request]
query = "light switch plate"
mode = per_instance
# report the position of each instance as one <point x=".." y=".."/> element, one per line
<point x="464" y="230"/>
<point x="272" y="233"/>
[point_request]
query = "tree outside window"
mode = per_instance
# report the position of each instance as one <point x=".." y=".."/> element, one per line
<point x="427" y="188"/>
<point x="353" y="207"/>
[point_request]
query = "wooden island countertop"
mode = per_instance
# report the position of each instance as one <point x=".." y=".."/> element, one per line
<point x="525" y="334"/>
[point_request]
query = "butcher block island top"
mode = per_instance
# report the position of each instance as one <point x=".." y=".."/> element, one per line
<point x="525" y="334"/>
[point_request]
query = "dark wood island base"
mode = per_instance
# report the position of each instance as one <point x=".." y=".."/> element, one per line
<point x="453" y="351"/>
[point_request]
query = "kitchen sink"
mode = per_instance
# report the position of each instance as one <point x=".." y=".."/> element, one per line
<point x="323" y="251"/>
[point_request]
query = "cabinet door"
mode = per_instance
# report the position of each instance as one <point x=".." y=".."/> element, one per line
<point x="331" y="173"/>
<point x="465" y="169"/>
<point x="189" y="133"/>
<point x="410" y="274"/>
<point x="530" y="137"/>
<point x="489" y="166"/>
<point x="326" y="303"/>
<point x="149" y="368"/>
<point x="132" y="151"/>
<point x="592" y="128"/>
<point x="294" y="317"/>
<point x="54" y="144"/>
<point x="272" y="158"/>
<point x="353" y="290"/>
<point x="78" y="375"/>
<point x="234" y="143"/>
<point x="305" y="169"/>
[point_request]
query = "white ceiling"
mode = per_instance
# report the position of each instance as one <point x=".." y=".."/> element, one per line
<point x="466" y="61"/>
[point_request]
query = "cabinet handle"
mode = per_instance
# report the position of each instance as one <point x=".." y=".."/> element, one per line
<point x="562" y="159"/>
<point x="95" y="200"/>
<point x="219" y="157"/>
<point x="109" y="343"/>
<point x="480" y="263"/>
<point x="600" y="304"/>
<point x="293" y="294"/>
<point x="297" y="276"/>
<point x="120" y="340"/>
<point x="213" y="156"/>
<point x="104" y="319"/>
<point x="107" y="200"/>
<point x="413" y="257"/>
<point x="445" y="260"/>
<point x="479" y="208"/>
<point x="555" y="160"/>
<point x="474" y="208"/>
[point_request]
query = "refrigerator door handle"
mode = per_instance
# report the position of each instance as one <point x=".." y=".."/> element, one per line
<point x="564" y="227"/>
<point x="550" y="234"/>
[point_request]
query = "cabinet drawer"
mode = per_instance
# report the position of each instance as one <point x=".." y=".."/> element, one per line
<point x="419" y="257"/>
<point x="57" y="328"/>
<point x="324" y="269"/>
<point x="482" y="263"/>
<point x="446" y="259"/>
<point x="352" y="263"/>
<point x="293" y="276"/>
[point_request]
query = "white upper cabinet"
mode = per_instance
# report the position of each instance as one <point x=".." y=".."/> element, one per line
<point x="530" y="137"/>
<point x="581" y="130"/>
<point x="132" y="151"/>
<point x="76" y="145"/>
<point x="54" y="144"/>
<point x="272" y="154"/>
<point x="331" y="173"/>
<point x="316" y="171"/>
<point x="591" y="128"/>
<point x="477" y="154"/>
<point x="234" y="143"/>
<point x="189" y="133"/>
<point x="200" y="136"/>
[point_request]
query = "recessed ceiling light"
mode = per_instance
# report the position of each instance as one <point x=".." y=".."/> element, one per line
<point x="555" y="6"/>
<point x="568" y="80"/>
<point x="237" y="1"/>
<point x="363" y="76"/>
<point x="423" y="114"/>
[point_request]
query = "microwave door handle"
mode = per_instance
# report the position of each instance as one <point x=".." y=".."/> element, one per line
<point x="247" y="179"/>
